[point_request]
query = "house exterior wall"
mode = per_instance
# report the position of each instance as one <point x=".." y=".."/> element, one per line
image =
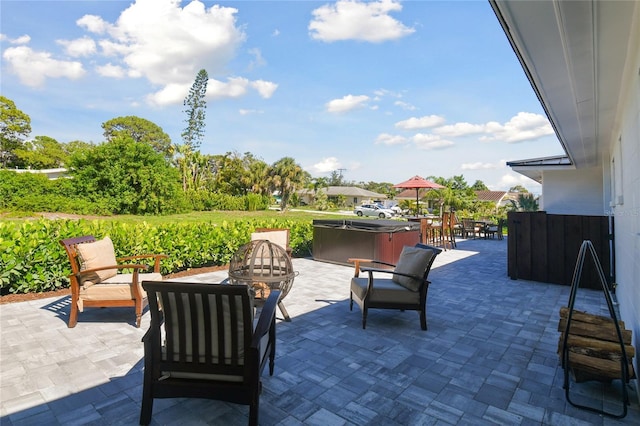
<point x="625" y="196"/>
<point x="573" y="192"/>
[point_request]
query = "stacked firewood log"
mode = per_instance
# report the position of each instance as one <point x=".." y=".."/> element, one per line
<point x="594" y="348"/>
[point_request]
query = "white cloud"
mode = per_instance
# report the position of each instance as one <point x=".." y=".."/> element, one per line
<point x="421" y="122"/>
<point x="157" y="40"/>
<point x="80" y="47"/>
<point x="525" y="126"/>
<point x="347" y="103"/>
<point x="512" y="179"/>
<point x="356" y="20"/>
<point x="258" y="59"/>
<point x="111" y="49"/>
<point x="24" y="39"/>
<point x="93" y="24"/>
<point x="404" y="105"/>
<point x="110" y="70"/>
<point x="479" y="166"/>
<point x="234" y="87"/>
<point x="427" y="141"/>
<point x="168" y="44"/>
<point x="169" y="94"/>
<point x="33" y="67"/>
<point x="460" y="129"/>
<point x="387" y="139"/>
<point x="264" y="88"/>
<point x="326" y="165"/>
<point x="243" y="111"/>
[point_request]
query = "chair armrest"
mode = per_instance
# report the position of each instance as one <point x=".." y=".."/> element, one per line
<point x="388" y="271"/>
<point x="265" y="321"/>
<point x="136" y="268"/>
<point x="121" y="266"/>
<point x="358" y="261"/>
<point x="154" y="328"/>
<point x="156" y="264"/>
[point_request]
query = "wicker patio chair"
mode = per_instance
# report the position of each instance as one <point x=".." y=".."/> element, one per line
<point x="405" y="289"/>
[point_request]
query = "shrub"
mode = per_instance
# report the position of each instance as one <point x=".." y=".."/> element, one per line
<point x="32" y="260"/>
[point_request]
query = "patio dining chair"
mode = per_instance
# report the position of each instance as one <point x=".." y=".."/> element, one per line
<point x="202" y="343"/>
<point x="469" y="228"/>
<point x="492" y="230"/>
<point x="404" y="287"/>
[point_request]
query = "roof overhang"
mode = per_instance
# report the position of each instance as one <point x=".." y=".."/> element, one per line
<point x="574" y="54"/>
<point x="534" y="167"/>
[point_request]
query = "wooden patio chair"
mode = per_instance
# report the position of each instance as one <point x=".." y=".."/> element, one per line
<point x="469" y="228"/>
<point x="95" y="281"/>
<point x="449" y="223"/>
<point x="405" y="289"/>
<point x="492" y="230"/>
<point x="209" y="347"/>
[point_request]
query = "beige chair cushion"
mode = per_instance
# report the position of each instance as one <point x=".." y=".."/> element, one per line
<point x="95" y="255"/>
<point x="413" y="261"/>
<point x="117" y="287"/>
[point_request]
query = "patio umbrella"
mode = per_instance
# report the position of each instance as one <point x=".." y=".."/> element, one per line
<point x="417" y="183"/>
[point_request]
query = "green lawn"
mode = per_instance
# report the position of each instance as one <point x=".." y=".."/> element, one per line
<point x="215" y="217"/>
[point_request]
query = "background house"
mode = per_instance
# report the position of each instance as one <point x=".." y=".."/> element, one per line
<point x="353" y="196"/>
<point x="583" y="61"/>
<point x="410" y="195"/>
<point x="50" y="173"/>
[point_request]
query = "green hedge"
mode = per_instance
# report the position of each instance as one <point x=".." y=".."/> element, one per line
<point x="32" y="259"/>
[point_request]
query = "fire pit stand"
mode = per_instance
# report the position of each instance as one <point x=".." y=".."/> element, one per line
<point x="264" y="266"/>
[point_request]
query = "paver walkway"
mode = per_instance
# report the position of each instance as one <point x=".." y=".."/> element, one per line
<point x="488" y="357"/>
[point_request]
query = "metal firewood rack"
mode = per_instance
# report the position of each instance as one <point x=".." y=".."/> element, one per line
<point x="587" y="246"/>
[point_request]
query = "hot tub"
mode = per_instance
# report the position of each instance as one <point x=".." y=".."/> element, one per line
<point x="336" y="241"/>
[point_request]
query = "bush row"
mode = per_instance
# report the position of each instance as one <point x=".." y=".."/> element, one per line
<point x="29" y="192"/>
<point x="32" y="259"/>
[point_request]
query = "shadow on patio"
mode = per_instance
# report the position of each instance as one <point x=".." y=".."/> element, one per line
<point x="488" y="357"/>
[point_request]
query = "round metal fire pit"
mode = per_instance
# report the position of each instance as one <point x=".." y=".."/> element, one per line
<point x="264" y="266"/>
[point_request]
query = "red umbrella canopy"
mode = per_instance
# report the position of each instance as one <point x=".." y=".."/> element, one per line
<point x="416" y="183"/>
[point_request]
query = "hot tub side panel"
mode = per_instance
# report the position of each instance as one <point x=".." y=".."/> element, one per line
<point x="389" y="245"/>
<point x="336" y="245"/>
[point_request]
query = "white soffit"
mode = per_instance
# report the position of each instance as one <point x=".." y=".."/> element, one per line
<point x="574" y="54"/>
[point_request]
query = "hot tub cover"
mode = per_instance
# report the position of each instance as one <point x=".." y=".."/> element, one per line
<point x="377" y="225"/>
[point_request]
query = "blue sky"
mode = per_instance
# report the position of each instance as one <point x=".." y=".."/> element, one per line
<point x="383" y="90"/>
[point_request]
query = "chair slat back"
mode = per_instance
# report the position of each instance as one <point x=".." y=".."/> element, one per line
<point x="70" y="245"/>
<point x="208" y="327"/>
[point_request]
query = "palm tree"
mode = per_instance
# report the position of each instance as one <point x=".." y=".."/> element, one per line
<point x="286" y="177"/>
<point x="525" y="203"/>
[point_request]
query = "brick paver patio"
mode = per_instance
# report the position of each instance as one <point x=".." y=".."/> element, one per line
<point x="488" y="357"/>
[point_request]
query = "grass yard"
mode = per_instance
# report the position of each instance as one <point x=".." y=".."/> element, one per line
<point x="214" y="217"/>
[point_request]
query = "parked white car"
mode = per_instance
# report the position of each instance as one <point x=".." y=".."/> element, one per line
<point x="374" y="210"/>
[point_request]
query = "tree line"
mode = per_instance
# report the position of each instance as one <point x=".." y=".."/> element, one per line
<point x="138" y="169"/>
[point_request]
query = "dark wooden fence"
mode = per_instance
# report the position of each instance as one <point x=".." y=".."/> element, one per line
<point x="544" y="247"/>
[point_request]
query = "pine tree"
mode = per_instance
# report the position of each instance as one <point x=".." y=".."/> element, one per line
<point x="195" y="105"/>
